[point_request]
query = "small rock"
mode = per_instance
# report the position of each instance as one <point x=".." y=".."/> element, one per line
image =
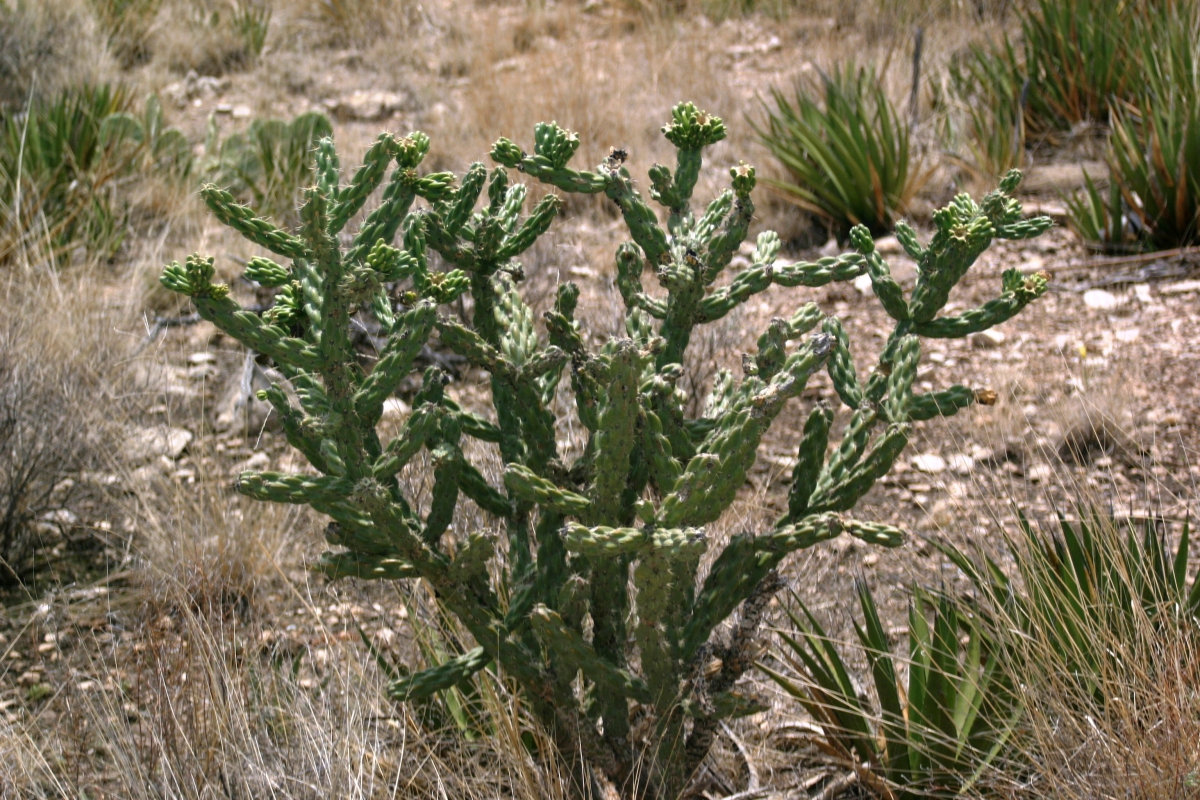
<point x="863" y="284"/>
<point x="1128" y="335"/>
<point x="241" y="112"/>
<point x="888" y="246"/>
<point x="395" y="409"/>
<point x="830" y="248"/>
<point x="1100" y="300"/>
<point x="224" y="108"/>
<point x="29" y="678"/>
<point x="942" y="514"/>
<point x="1039" y="472"/>
<point x="201" y="358"/>
<point x="202" y="372"/>
<point x="870" y="559"/>
<point x="145" y="443"/>
<point x="103" y="479"/>
<point x="366" y="106"/>
<point x="1031" y="265"/>
<point x="961" y="464"/>
<point x="195" y="89"/>
<point x="930" y="463"/>
<point x="988" y="339"/>
<point x="61" y="517"/>
<point x="1142" y="292"/>
<point x="62" y="490"/>
<point x="255" y="463"/>
<point x="1179" y="287"/>
<point x="981" y="453"/>
<point x="145" y="477"/>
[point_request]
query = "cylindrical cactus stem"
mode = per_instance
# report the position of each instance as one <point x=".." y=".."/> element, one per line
<point x="900" y="379"/>
<point x="435" y="679"/>
<point x="841" y="365"/>
<point x="447" y="463"/>
<point x="809" y="460"/>
<point x="849" y="450"/>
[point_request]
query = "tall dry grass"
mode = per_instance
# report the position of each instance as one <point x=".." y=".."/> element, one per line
<point x="1128" y="725"/>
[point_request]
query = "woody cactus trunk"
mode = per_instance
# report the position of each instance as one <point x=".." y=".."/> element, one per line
<point x="594" y="604"/>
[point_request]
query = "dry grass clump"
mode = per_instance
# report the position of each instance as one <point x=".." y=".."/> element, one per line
<point x="56" y="377"/>
<point x="1145" y="743"/>
<point x="359" y="23"/>
<point x="45" y="47"/>
<point x="195" y="705"/>
<point x="1111" y="685"/>
<point x="200" y="35"/>
<point x="615" y="92"/>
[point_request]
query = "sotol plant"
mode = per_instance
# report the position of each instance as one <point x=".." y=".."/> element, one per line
<point x="594" y="604"/>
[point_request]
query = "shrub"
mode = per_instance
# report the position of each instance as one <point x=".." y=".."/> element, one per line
<point x="940" y="727"/>
<point x="553" y="603"/>
<point x="62" y="162"/>
<point x="45" y="46"/>
<point x="358" y="23"/>
<point x="846" y="149"/>
<point x="267" y="164"/>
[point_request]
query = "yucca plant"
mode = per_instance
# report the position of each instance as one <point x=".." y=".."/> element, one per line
<point x="251" y="20"/>
<point x="1154" y="151"/>
<point x="1083" y="593"/>
<point x="1101" y="218"/>
<point x="269" y="163"/>
<point x="935" y="733"/>
<point x="1079" y="54"/>
<point x="992" y="98"/>
<point x="61" y="164"/>
<point x="1076" y="55"/>
<point x="847" y="150"/>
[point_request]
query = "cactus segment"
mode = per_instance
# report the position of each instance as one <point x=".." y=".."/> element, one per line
<point x="350" y="564"/>
<point x="809" y="460"/>
<point x="435" y="679"/>
<point x="1019" y="291"/>
<point x="243" y="220"/>
<point x="525" y="485"/>
<point x="568" y="644"/>
<point x="841" y="365"/>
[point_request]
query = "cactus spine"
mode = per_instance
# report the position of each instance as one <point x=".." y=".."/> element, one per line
<point x="614" y="538"/>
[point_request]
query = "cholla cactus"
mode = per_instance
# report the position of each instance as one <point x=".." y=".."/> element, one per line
<point x="599" y="613"/>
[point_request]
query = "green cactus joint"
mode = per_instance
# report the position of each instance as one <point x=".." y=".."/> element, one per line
<point x="611" y="541"/>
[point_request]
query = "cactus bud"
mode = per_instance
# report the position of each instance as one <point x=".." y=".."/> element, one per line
<point x="266" y="272"/>
<point x="743" y="180"/>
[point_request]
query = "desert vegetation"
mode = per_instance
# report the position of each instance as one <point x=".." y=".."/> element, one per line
<point x="761" y="399"/>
